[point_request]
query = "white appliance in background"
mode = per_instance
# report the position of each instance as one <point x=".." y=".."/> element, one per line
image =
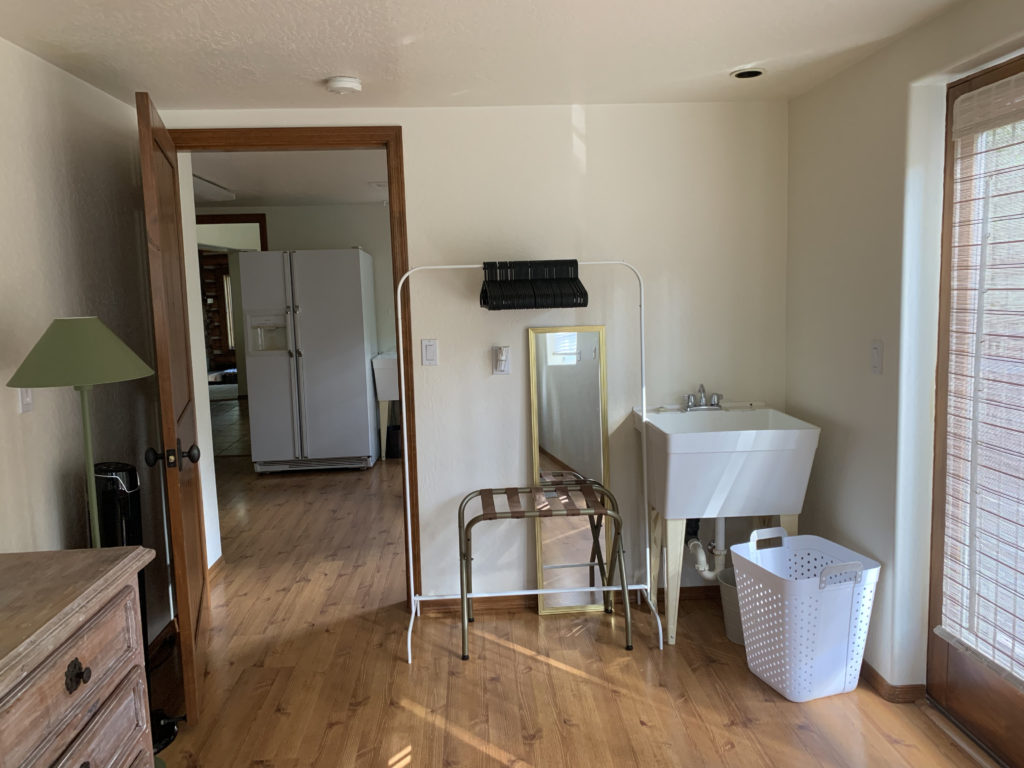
<point x="310" y="333"/>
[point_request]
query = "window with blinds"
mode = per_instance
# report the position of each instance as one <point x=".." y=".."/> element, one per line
<point x="563" y="348"/>
<point x="983" y="555"/>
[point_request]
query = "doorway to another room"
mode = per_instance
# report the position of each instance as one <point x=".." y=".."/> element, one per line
<point x="301" y="144"/>
<point x="289" y="220"/>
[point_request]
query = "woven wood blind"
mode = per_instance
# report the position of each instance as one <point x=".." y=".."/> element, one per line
<point x="983" y="574"/>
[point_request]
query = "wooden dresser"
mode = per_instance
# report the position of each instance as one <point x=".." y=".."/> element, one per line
<point x="72" y="675"/>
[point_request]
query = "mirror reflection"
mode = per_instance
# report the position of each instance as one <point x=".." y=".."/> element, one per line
<point x="568" y="404"/>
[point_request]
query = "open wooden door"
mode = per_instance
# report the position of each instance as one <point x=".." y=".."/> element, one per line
<point x="177" y="407"/>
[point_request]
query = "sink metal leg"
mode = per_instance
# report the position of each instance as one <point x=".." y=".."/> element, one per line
<point x="657" y="539"/>
<point x="675" y="533"/>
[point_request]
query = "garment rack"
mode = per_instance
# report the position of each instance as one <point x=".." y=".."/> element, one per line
<point x="644" y="589"/>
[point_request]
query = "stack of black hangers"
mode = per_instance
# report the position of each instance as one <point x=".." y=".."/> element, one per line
<point x="532" y="285"/>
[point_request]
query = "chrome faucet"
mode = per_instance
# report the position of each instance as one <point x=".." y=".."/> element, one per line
<point x="699" y="401"/>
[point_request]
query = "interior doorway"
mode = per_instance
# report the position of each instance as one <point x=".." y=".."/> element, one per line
<point x="315" y="140"/>
<point x="300" y="204"/>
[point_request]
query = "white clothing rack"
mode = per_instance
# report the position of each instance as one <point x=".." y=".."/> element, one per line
<point x="644" y="589"/>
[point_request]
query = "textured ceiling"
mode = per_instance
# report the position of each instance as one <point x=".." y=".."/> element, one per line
<point x="296" y="178"/>
<point x="274" y="53"/>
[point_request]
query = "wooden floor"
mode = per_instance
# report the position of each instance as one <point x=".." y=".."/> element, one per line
<point x="307" y="664"/>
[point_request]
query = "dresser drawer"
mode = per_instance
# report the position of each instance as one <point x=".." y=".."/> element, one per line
<point x="53" y="703"/>
<point x="112" y="737"/>
<point x="140" y="755"/>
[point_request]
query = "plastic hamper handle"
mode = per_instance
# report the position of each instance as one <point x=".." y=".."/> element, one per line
<point x="834" y="570"/>
<point x="766" y="533"/>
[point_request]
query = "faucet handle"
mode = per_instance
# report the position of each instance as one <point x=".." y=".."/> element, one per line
<point x="716" y="399"/>
<point x="691" y="401"/>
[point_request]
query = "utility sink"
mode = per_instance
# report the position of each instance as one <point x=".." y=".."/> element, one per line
<point x="727" y="463"/>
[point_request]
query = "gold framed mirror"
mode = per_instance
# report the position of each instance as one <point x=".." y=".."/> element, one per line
<point x="569" y="418"/>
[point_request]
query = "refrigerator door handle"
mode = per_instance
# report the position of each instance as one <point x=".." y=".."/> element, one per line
<point x="303" y="417"/>
<point x="294" y="377"/>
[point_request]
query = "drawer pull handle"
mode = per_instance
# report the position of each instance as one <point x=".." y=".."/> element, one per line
<point x="76" y="675"/>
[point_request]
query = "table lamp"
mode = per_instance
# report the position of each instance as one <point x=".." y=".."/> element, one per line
<point x="80" y="352"/>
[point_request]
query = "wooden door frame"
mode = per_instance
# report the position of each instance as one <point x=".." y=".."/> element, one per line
<point x="388" y="138"/>
<point x="238" y="218"/>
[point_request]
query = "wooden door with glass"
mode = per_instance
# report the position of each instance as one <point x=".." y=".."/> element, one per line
<point x="976" y="610"/>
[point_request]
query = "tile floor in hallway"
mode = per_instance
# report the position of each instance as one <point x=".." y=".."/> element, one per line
<point x="230" y="420"/>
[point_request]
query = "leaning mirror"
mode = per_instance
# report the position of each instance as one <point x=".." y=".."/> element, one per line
<point x="568" y="405"/>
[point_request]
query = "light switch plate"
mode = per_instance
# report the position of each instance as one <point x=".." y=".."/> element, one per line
<point x="500" y="360"/>
<point x="24" y="400"/>
<point x="428" y="351"/>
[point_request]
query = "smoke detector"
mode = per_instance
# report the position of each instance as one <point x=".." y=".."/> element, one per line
<point x="343" y="84"/>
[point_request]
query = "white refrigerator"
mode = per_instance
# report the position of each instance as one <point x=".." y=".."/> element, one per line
<point x="310" y="333"/>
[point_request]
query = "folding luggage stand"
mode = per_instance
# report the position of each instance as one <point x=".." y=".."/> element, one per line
<point x="558" y="499"/>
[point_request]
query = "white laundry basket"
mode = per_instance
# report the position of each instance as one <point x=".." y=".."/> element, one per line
<point x="805" y="604"/>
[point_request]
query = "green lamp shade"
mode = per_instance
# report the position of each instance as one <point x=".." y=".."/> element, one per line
<point x="78" y="352"/>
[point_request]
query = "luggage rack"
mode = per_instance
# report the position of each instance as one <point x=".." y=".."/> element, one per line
<point x="567" y="495"/>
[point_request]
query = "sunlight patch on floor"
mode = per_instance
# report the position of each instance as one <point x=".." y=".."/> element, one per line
<point x="402" y="758"/>
<point x="491" y="750"/>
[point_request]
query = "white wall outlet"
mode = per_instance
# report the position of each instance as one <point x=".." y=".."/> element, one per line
<point x="24" y="400"/>
<point x="500" y="360"/>
<point x="877" y="354"/>
<point x="428" y="351"/>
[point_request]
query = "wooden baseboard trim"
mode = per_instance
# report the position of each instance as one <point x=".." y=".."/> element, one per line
<point x="897" y="694"/>
<point x="453" y="605"/>
<point x="216" y="568"/>
<point x="704" y="592"/>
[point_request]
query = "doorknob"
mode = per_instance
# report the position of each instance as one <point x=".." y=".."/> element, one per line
<point x="152" y="457"/>
<point x="192" y="454"/>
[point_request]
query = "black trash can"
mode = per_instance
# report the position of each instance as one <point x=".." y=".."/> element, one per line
<point x="120" y="510"/>
<point x="393" y="449"/>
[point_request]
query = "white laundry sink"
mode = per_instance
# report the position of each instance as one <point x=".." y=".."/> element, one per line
<point x="728" y="463"/>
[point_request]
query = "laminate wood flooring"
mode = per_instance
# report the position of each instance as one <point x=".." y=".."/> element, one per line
<point x="307" y="664"/>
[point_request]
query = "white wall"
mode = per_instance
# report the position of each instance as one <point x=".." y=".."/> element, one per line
<point x="70" y="211"/>
<point x="197" y="346"/>
<point x="243" y="236"/>
<point x="691" y="193"/>
<point x="316" y="227"/>
<point x="569" y="406"/>
<point x="864" y="204"/>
